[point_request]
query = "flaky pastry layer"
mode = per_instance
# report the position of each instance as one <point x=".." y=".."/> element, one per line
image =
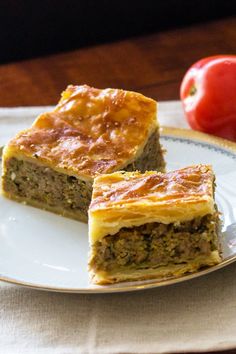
<point x="90" y="131"/>
<point x="126" y="199"/>
<point x="159" y="273"/>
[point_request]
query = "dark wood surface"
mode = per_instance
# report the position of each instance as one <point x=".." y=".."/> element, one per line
<point x="153" y="65"/>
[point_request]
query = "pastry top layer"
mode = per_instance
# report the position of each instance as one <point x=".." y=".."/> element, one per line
<point x="90" y="131"/>
<point x="126" y="199"/>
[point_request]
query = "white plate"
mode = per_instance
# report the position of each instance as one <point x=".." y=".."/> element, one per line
<point x="46" y="251"/>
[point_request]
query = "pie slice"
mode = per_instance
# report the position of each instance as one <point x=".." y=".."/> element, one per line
<point x="152" y="225"/>
<point x="52" y="164"/>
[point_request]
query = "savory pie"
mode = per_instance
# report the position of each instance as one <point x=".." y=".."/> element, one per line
<point x="152" y="225"/>
<point x="52" y="164"/>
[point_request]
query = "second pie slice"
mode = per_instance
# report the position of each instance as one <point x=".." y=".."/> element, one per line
<point x="152" y="225"/>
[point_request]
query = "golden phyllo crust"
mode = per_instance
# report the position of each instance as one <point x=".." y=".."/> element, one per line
<point x="90" y="131"/>
<point x="126" y="199"/>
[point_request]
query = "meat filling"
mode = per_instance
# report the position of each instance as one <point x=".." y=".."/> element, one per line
<point x="44" y="185"/>
<point x="151" y="158"/>
<point x="156" y="244"/>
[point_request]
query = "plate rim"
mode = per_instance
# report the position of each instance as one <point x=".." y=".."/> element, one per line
<point x="197" y="135"/>
<point x="164" y="131"/>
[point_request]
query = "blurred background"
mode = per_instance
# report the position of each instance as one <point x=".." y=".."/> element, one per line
<point x="144" y="46"/>
<point x="38" y="28"/>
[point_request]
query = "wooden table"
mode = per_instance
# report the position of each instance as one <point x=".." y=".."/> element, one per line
<point x="153" y="65"/>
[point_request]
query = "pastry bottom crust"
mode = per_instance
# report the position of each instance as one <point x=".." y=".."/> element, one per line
<point x="79" y="216"/>
<point x="160" y="273"/>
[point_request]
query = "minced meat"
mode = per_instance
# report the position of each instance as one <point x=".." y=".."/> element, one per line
<point x="155" y="244"/>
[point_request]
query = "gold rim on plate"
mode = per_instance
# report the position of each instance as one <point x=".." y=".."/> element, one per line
<point x="165" y="131"/>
